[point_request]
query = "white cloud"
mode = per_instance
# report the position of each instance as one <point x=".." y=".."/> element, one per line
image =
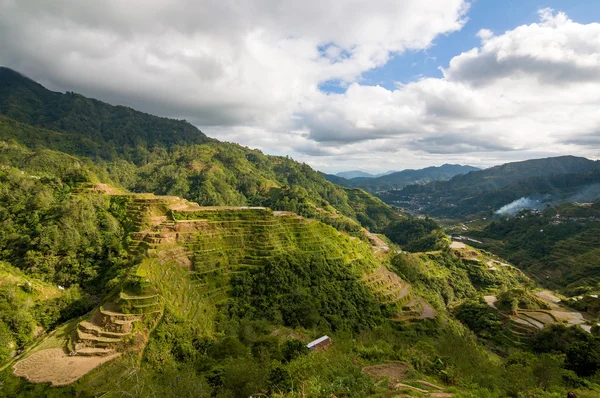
<point x="249" y="72"/>
<point x="532" y="91"/>
<point x="216" y="62"/>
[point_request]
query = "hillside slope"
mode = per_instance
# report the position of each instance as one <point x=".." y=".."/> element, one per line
<point x="221" y="301"/>
<point x="145" y="153"/>
<point x="200" y="263"/>
<point x="108" y="130"/>
<point x="114" y="282"/>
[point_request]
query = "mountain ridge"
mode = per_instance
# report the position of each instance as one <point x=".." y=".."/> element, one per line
<point x="400" y="179"/>
<point x="145" y="153"/>
<point x="452" y="197"/>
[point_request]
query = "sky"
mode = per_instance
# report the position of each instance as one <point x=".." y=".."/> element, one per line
<point x="339" y="84"/>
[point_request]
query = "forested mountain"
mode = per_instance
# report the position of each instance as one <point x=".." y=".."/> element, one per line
<point x="114" y="282"/>
<point x="145" y="153"/>
<point x="488" y="190"/>
<point x="400" y="179"/>
<point x="98" y="129"/>
<point x="348" y="175"/>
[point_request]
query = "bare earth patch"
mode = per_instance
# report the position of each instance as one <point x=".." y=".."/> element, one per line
<point x="548" y="296"/>
<point x="54" y="366"/>
<point x="428" y="311"/>
<point x="491" y="300"/>
<point x="457" y="245"/>
<point x="395" y="372"/>
<point x="106" y="189"/>
<point x="376" y="242"/>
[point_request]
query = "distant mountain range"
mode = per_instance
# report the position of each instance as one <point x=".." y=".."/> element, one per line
<point x="399" y="179"/>
<point x="549" y="180"/>
<point x="361" y="174"/>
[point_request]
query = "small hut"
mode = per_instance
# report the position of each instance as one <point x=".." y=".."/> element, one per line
<point x="322" y="343"/>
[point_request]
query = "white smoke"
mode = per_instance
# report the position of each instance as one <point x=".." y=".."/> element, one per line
<point x="514" y="207"/>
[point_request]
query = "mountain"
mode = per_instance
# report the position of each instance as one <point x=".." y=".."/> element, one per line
<point x="232" y="294"/>
<point x="336" y="179"/>
<point x="349" y="175"/>
<point x="150" y="265"/>
<point x="97" y="129"/>
<point x="145" y="153"/>
<point x="403" y="178"/>
<point x="400" y="179"/>
<point x="353" y="174"/>
<point x="490" y="189"/>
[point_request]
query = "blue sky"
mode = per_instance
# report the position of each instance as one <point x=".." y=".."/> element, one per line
<point x="495" y="15"/>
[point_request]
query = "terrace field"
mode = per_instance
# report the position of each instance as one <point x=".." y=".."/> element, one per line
<point x="188" y="256"/>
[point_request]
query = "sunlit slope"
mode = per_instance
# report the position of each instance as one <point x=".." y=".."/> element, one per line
<point x="188" y="256"/>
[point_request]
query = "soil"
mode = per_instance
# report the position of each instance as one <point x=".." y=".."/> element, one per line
<point x="106" y="189"/>
<point x="54" y="366"/>
<point x="491" y="300"/>
<point x="457" y="245"/>
<point x="376" y="242"/>
<point x="548" y="296"/>
<point x="428" y="311"/>
<point x="529" y="322"/>
<point x="395" y="372"/>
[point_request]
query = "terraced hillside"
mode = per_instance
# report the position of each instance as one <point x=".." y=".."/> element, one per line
<point x="194" y="261"/>
<point x="526" y="317"/>
<point x="199" y="249"/>
<point x="188" y="255"/>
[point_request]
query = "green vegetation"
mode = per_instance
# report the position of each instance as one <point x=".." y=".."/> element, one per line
<point x="581" y="350"/>
<point x="54" y="235"/>
<point x="559" y="252"/>
<point x="307" y="291"/>
<point x="29" y="306"/>
<point x="97" y="128"/>
<point x="514" y="299"/>
<point x="144" y="153"/>
<point x="416" y="235"/>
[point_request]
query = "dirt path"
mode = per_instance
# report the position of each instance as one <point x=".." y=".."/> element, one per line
<point x="376" y="241"/>
<point x="54" y="366"/>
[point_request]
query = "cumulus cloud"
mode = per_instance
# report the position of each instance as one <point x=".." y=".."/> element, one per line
<point x="554" y="51"/>
<point x="250" y="72"/>
<point x="533" y="90"/>
<point x="215" y="62"/>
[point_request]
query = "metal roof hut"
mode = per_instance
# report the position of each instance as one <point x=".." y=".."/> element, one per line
<point x="322" y="343"/>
